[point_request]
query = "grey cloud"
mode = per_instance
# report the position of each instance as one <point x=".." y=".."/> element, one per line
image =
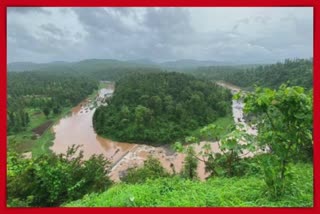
<point x="158" y="34"/>
<point x="168" y="20"/>
<point x="25" y="46"/>
<point x="26" y="10"/>
<point x="159" y="29"/>
<point x="51" y="28"/>
<point x="241" y="21"/>
<point x="101" y="20"/>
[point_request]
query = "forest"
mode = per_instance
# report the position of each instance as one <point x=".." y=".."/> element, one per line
<point x="291" y="71"/>
<point x="45" y="92"/>
<point x="160" y="107"/>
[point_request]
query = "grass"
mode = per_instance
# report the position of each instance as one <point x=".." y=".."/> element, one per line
<point x="26" y="141"/>
<point x="223" y="122"/>
<point x="216" y="192"/>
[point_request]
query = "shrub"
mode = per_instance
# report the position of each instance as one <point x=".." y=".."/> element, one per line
<point x="50" y="180"/>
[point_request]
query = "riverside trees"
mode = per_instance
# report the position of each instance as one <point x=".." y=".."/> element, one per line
<point x="43" y="91"/>
<point x="160" y="107"/>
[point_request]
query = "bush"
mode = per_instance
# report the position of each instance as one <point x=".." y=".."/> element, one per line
<point x="50" y="180"/>
<point x="151" y="169"/>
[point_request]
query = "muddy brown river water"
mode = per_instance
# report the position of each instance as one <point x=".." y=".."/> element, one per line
<point x="77" y="129"/>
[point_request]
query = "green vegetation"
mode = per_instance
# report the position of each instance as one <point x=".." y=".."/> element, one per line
<point x="285" y="129"/>
<point x="216" y="192"/>
<point x="283" y="118"/>
<point x="156" y="107"/>
<point x="297" y="72"/>
<point x="38" y="135"/>
<point x="152" y="169"/>
<point x="98" y="69"/>
<point x="225" y="123"/>
<point x="160" y="107"/>
<point x="190" y="164"/>
<point x="50" y="179"/>
<point x="36" y="100"/>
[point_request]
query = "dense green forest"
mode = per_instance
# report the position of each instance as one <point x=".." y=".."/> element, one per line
<point x="160" y="107"/>
<point x="99" y="69"/>
<point x="46" y="92"/>
<point x="293" y="72"/>
<point x="296" y="71"/>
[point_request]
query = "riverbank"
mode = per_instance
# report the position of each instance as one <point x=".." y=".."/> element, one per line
<point x="77" y="129"/>
<point x="74" y="126"/>
<point x="39" y="136"/>
<point x="34" y="141"/>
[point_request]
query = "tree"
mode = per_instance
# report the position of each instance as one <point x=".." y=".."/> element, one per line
<point x="46" y="111"/>
<point x="142" y="115"/>
<point x="56" y="110"/>
<point x="190" y="164"/>
<point x="284" y="129"/>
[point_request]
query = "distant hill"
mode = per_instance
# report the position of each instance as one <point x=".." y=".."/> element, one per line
<point x="83" y="65"/>
<point x="190" y="63"/>
<point x="28" y="66"/>
<point x="97" y="64"/>
<point x="291" y="71"/>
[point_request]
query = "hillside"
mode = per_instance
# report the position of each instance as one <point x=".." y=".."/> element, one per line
<point x="98" y="64"/>
<point x="160" y="107"/>
<point x="294" y="72"/>
<point x="217" y="192"/>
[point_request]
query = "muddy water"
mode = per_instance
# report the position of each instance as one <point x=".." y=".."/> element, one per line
<point x="77" y="129"/>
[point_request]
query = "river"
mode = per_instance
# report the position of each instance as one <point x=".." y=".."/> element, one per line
<point x="76" y="128"/>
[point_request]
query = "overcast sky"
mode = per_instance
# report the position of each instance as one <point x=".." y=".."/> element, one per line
<point x="245" y="35"/>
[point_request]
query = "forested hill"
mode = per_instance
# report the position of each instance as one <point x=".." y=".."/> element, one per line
<point x="100" y="64"/>
<point x="99" y="69"/>
<point x="81" y="66"/>
<point x="160" y="107"/>
<point x="294" y="72"/>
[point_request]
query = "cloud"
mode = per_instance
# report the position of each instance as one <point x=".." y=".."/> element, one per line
<point x="52" y="29"/>
<point x="26" y="10"/>
<point x="244" y="35"/>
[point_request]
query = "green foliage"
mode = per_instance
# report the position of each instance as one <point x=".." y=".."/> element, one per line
<point x="160" y="107"/>
<point x="284" y="129"/>
<point x="50" y="180"/>
<point x="152" y="169"/>
<point x="216" y="192"/>
<point x="18" y="120"/>
<point x="99" y="69"/>
<point x="295" y="72"/>
<point x="46" y="111"/>
<point x="190" y="164"/>
<point x="45" y="92"/>
<point x="230" y="160"/>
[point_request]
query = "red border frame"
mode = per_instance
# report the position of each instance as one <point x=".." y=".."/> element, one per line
<point x="196" y="3"/>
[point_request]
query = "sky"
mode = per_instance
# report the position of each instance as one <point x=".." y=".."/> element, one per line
<point x="241" y="35"/>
